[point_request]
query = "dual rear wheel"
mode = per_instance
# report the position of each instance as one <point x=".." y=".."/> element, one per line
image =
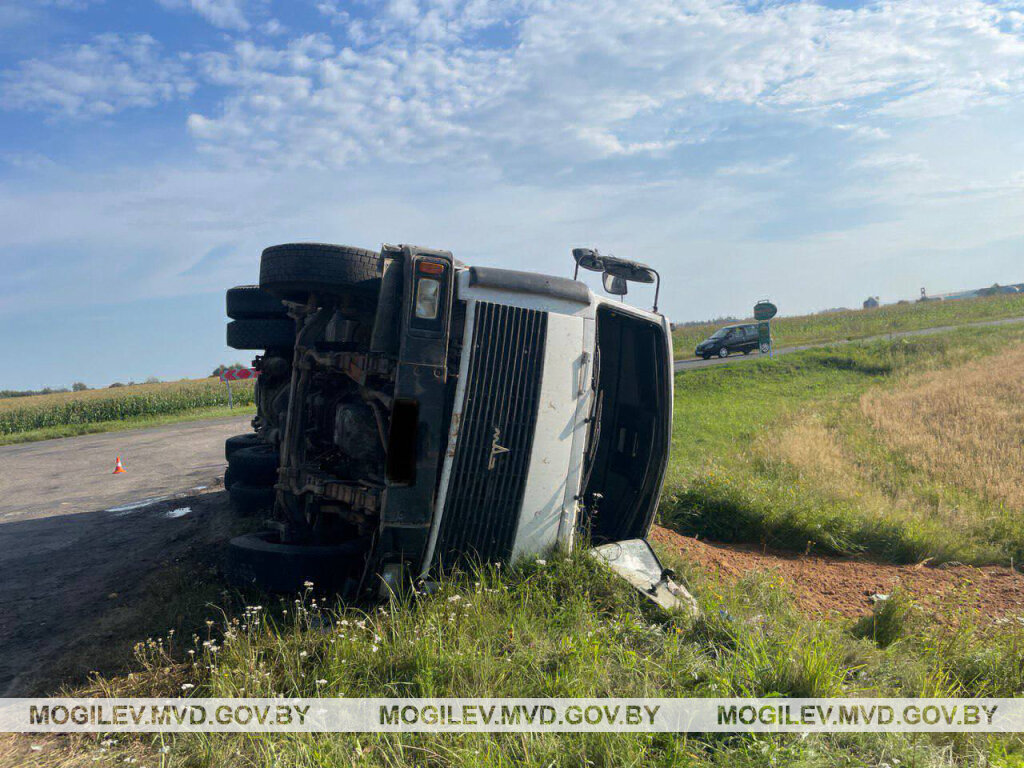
<point x="251" y="474"/>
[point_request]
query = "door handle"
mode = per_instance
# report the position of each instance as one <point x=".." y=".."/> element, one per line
<point x="584" y="368"/>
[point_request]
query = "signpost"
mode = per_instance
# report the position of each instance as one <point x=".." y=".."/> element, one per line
<point x="764" y="311"/>
<point x="236" y="374"/>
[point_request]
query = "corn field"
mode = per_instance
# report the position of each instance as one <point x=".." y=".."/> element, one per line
<point x="24" y="414"/>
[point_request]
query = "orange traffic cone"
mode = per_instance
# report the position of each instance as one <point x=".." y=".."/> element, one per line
<point x="119" y="467"/>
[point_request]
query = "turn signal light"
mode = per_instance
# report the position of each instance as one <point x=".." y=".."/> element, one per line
<point x="431" y="268"/>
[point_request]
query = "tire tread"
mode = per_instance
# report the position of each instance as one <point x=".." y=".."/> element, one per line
<point x="261" y="333"/>
<point x="293" y="270"/>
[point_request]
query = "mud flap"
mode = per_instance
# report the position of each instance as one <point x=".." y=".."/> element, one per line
<point x="635" y="561"/>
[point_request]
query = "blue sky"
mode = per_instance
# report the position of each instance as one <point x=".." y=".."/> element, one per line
<point x="816" y="153"/>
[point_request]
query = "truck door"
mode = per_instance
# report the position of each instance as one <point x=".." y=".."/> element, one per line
<point x="553" y="479"/>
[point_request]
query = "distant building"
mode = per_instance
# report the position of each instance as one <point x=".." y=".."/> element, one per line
<point x="871" y="302"/>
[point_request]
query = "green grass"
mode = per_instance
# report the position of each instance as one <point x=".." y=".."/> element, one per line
<point x="567" y="628"/>
<point x="860" y="323"/>
<point x="42" y="417"/>
<point x="727" y="481"/>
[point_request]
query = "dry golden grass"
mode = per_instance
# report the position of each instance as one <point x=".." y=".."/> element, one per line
<point x="843" y="468"/>
<point x="940" y="454"/>
<point x="963" y="426"/>
<point x="813" y="450"/>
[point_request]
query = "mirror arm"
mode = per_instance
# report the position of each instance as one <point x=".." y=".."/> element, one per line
<point x="657" y="288"/>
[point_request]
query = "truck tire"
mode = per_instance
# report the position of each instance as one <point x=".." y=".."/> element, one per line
<point x="256" y="465"/>
<point x="245" y="302"/>
<point x="237" y="442"/>
<point x="261" y="560"/>
<point x="261" y="333"/>
<point x="295" y="270"/>
<point x="249" y="500"/>
<point x="228" y="479"/>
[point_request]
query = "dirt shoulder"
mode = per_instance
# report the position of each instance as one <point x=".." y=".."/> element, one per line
<point x="844" y="586"/>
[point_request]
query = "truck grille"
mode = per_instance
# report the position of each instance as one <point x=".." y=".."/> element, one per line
<point x="492" y="453"/>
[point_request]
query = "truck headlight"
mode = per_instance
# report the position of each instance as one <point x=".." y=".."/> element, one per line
<point x="428" y="293"/>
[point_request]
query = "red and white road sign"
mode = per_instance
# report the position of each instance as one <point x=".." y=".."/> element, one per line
<point x="238" y="374"/>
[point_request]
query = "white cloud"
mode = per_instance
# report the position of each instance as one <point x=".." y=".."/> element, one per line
<point x="273" y="27"/>
<point x="225" y="14"/>
<point x="309" y="103"/>
<point x="96" y="79"/>
<point x="767" y="168"/>
<point x="892" y="161"/>
<point x="591" y="79"/>
<point x="26" y="13"/>
<point x="680" y="131"/>
<point x="448" y="21"/>
<point x="333" y="12"/>
<point x="28" y="161"/>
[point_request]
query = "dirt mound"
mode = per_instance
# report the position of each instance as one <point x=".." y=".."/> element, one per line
<point x="831" y="585"/>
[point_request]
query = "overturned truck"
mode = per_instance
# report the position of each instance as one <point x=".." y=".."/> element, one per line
<point x="416" y="415"/>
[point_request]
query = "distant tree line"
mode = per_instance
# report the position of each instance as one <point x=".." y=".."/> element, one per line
<point x="716" y="321"/>
<point x="78" y="386"/>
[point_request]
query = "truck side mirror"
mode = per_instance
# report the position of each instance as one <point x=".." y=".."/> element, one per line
<point x="615" y="285"/>
<point x="588" y="258"/>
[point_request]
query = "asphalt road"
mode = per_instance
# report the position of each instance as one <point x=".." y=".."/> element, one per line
<point x="78" y="543"/>
<point x="696" y="362"/>
<point x="74" y="474"/>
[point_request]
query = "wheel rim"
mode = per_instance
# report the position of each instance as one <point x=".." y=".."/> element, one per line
<point x="723" y="352"/>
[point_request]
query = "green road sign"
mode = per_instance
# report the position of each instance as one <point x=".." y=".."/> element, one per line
<point x="765" y="310"/>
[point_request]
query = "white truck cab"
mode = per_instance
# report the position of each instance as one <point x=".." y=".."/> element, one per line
<point x="561" y="419"/>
